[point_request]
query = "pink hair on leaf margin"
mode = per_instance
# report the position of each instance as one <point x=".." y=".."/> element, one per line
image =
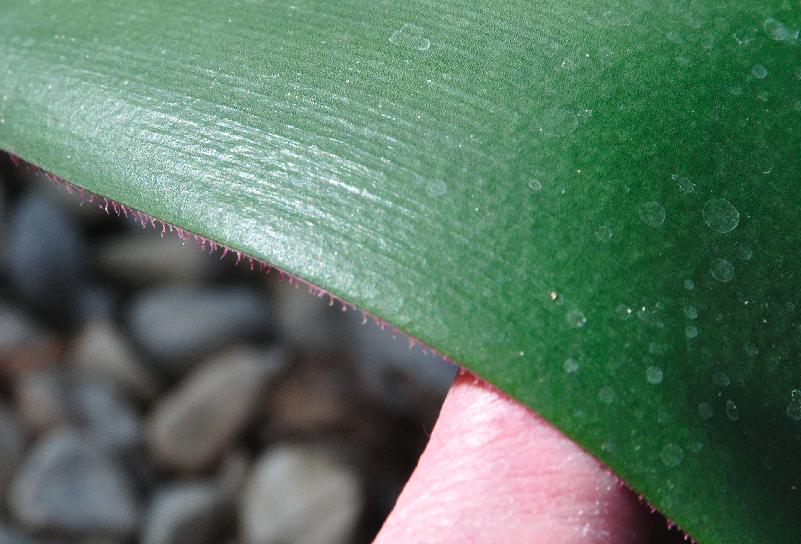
<point x="121" y="210"/>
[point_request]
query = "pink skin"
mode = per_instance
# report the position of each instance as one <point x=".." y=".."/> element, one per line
<point x="496" y="472"/>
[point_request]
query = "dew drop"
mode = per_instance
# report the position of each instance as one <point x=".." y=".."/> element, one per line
<point x="672" y="455"/>
<point x="690" y="331"/>
<point x="606" y="395"/>
<point x="571" y="365"/>
<point x="652" y="213"/>
<point x="651" y="315"/>
<point x="759" y="71"/>
<point x="410" y="36"/>
<point x="370" y="131"/>
<point x="623" y="311"/>
<point x="750" y="349"/>
<point x="654" y="375"/>
<point x="705" y="410"/>
<point x="731" y="410"/>
<point x="576" y="319"/>
<point x="779" y="31"/>
<point x="794" y="408"/>
<point x="436" y="188"/>
<point x="603" y="234"/>
<point x="615" y="18"/>
<point x="744" y="251"/>
<point x="535" y="185"/>
<point x="722" y="270"/>
<point x="720" y="215"/>
<point x="690" y="312"/>
<point x="556" y="122"/>
<point x="721" y="379"/>
<point x="685" y="184"/>
<point x="689" y="284"/>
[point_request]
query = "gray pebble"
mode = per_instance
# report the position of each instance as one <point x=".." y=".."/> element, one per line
<point x="95" y="301"/>
<point x="308" y="321"/>
<point x="11" y="535"/>
<point x="45" y="253"/>
<point x="12" y="444"/>
<point x="299" y="494"/>
<point x="395" y="372"/>
<point x="68" y="485"/>
<point x="191" y="427"/>
<point x="18" y="331"/>
<point x="177" y="324"/>
<point x="100" y="411"/>
<point x="184" y="513"/>
<point x="41" y="399"/>
<point x="139" y="258"/>
<point x="101" y="351"/>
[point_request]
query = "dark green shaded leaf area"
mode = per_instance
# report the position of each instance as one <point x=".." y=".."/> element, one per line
<point x="592" y="204"/>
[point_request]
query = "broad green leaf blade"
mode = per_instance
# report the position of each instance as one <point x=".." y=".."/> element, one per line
<point x="594" y="205"/>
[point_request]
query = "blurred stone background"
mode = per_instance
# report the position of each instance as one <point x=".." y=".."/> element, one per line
<point x="153" y="393"/>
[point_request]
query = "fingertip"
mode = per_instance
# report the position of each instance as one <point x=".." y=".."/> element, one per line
<point x="494" y="471"/>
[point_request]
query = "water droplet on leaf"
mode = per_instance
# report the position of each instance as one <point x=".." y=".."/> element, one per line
<point x="759" y="71"/>
<point x="571" y="365"/>
<point x="557" y="122"/>
<point x="794" y="408"/>
<point x="686" y="184"/>
<point x="722" y="270"/>
<point x="705" y="410"/>
<point x="603" y="234"/>
<point x="576" y="319"/>
<point x="652" y="213"/>
<point x="744" y="251"/>
<point x="535" y="185"/>
<point x="720" y="215"/>
<point x="721" y="379"/>
<point x="410" y="36"/>
<point x="623" y="311"/>
<point x="436" y="188"/>
<point x="654" y="375"/>
<point x="672" y="455"/>
<point x="731" y="410"/>
<point x="606" y="395"/>
<point x="779" y="31"/>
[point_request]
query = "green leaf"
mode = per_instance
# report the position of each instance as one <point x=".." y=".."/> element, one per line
<point x="594" y="205"/>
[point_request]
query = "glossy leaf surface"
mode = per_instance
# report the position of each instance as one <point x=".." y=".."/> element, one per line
<point x="594" y="205"/>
